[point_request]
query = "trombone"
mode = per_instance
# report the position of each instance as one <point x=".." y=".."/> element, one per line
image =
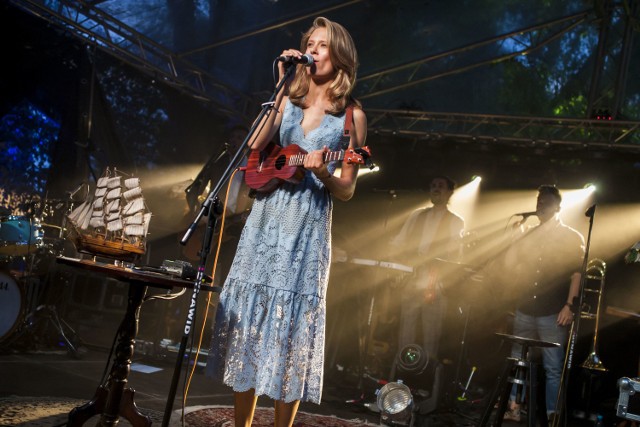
<point x="596" y="271"/>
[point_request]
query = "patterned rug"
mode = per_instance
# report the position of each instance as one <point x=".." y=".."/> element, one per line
<point x="222" y="416"/>
<point x="20" y="411"/>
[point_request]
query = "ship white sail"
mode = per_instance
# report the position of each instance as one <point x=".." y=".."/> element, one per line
<point x="96" y="221"/>
<point x="134" y="215"/>
<point x="79" y="212"/>
<point x="113" y="205"/>
<point x="112" y="216"/>
<point x="132" y="182"/>
<point x="133" y="193"/>
<point x="115" y="225"/>
<point x="102" y="182"/>
<point x="134" y="230"/>
<point x="146" y="222"/>
<point x="133" y="207"/>
<point x="115" y="220"/>
<point x="81" y="215"/>
<point x="136" y="219"/>
<point x="98" y="203"/>
<point x="114" y="182"/>
<point x="114" y="193"/>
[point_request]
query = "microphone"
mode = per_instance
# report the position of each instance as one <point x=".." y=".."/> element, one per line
<point x="526" y="215"/>
<point x="305" y="59"/>
<point x="589" y="212"/>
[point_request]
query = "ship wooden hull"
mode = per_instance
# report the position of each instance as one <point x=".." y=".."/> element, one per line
<point x="99" y="246"/>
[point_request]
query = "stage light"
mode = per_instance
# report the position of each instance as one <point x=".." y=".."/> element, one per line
<point x="412" y="360"/>
<point x="602" y="115"/>
<point x="375" y="168"/>
<point x="578" y="198"/>
<point x="591" y="187"/>
<point x="395" y="403"/>
<point x="464" y="199"/>
<point x="414" y="368"/>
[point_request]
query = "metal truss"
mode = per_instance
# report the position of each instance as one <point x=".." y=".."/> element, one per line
<point x="465" y="58"/>
<point x="279" y="24"/>
<point x="514" y="130"/>
<point x="83" y="19"/>
<point x="97" y="28"/>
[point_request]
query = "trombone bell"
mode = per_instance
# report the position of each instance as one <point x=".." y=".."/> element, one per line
<point x="594" y="363"/>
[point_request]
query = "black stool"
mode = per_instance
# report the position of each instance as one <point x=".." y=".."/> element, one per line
<point x="520" y="371"/>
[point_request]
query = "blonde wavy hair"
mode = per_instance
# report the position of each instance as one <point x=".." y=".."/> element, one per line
<point x="344" y="58"/>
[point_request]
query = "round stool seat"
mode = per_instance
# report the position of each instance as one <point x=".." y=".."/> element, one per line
<point x="530" y="342"/>
<point x="519" y="373"/>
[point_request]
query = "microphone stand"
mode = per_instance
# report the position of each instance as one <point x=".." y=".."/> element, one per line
<point x="212" y="207"/>
<point x="560" y="418"/>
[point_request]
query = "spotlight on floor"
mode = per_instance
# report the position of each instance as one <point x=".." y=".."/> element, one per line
<point x="414" y="368"/>
<point x="395" y="403"/>
<point x="412" y="360"/>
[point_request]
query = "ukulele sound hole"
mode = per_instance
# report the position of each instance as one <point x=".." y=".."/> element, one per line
<point x="280" y="162"/>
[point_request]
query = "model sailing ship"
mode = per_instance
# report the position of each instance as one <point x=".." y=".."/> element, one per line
<point x="114" y="221"/>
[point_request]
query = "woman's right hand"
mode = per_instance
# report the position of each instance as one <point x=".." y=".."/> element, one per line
<point x="282" y="66"/>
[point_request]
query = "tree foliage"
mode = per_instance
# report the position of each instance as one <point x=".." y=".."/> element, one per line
<point x="26" y="135"/>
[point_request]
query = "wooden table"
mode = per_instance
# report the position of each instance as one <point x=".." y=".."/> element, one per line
<point x="114" y="399"/>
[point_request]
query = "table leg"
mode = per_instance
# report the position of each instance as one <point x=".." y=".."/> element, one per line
<point x="114" y="399"/>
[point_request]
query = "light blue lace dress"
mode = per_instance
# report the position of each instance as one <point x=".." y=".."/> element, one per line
<point x="270" y="322"/>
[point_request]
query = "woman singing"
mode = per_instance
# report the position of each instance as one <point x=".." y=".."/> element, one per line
<point x="268" y="337"/>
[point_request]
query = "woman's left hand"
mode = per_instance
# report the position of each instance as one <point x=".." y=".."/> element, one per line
<point x="314" y="161"/>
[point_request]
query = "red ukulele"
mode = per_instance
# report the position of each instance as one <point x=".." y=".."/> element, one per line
<point x="269" y="168"/>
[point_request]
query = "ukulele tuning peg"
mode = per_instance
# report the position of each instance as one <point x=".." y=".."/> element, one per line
<point x="365" y="152"/>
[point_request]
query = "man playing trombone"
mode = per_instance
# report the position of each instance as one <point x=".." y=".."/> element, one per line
<point x="545" y="262"/>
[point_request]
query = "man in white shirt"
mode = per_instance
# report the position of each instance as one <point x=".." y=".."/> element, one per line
<point x="428" y="237"/>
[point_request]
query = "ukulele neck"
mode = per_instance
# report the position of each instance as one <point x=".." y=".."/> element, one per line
<point x="298" y="159"/>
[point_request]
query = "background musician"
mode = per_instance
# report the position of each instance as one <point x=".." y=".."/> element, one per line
<point x="545" y="262"/>
<point x="428" y="233"/>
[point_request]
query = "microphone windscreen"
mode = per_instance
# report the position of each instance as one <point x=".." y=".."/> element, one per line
<point x="307" y="59"/>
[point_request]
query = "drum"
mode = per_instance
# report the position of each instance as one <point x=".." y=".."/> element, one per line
<point x="19" y="236"/>
<point x="11" y="305"/>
